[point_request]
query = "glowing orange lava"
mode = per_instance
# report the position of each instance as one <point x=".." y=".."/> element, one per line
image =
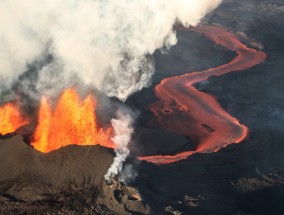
<point x="73" y="121"/>
<point x="185" y="110"/>
<point x="10" y="119"/>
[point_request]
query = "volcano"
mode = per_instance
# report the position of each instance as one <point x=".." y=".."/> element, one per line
<point x="208" y="139"/>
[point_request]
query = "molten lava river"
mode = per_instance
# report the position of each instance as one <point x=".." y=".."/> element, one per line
<point x="181" y="108"/>
<point x="185" y="110"/>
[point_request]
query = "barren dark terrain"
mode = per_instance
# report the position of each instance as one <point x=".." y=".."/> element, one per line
<point x="240" y="179"/>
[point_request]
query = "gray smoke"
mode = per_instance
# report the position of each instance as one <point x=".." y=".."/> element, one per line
<point x="104" y="44"/>
<point x="128" y="174"/>
<point x="123" y="130"/>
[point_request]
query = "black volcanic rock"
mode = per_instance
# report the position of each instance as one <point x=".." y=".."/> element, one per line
<point x="153" y="141"/>
<point x="221" y="182"/>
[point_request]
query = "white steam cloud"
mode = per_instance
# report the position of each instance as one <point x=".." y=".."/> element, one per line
<point x="105" y="43"/>
<point x="122" y="136"/>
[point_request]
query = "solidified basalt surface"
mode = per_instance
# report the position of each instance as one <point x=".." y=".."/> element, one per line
<point x="243" y="178"/>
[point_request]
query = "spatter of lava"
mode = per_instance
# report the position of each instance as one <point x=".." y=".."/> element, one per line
<point x="185" y="110"/>
<point x="10" y="119"/>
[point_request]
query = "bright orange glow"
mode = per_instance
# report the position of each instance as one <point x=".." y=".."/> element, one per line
<point x="72" y="122"/>
<point x="11" y="119"/>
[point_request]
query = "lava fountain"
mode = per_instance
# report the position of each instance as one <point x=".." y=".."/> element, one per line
<point x="185" y="110"/>
<point x="11" y="119"/>
<point x="73" y="121"/>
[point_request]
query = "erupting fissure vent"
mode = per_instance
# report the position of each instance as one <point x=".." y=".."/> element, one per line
<point x="73" y="121"/>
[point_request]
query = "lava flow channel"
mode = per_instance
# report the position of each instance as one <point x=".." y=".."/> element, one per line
<point x="185" y="110"/>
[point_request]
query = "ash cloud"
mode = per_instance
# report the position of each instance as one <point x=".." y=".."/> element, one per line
<point x="104" y="44"/>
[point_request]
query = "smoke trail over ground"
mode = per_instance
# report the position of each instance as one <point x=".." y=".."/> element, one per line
<point x="105" y="44"/>
<point x="122" y="135"/>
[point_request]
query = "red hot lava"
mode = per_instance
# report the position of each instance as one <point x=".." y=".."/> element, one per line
<point x="72" y="121"/>
<point x="185" y="110"/>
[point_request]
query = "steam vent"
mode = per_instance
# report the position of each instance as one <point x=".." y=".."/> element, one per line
<point x="142" y="107"/>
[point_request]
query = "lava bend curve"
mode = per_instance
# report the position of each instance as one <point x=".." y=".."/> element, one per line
<point x="184" y="109"/>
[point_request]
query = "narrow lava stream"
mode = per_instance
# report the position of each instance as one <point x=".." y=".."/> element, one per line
<point x="185" y="110"/>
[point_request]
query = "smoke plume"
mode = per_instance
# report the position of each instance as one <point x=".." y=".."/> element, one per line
<point x="105" y="44"/>
<point x="122" y="136"/>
